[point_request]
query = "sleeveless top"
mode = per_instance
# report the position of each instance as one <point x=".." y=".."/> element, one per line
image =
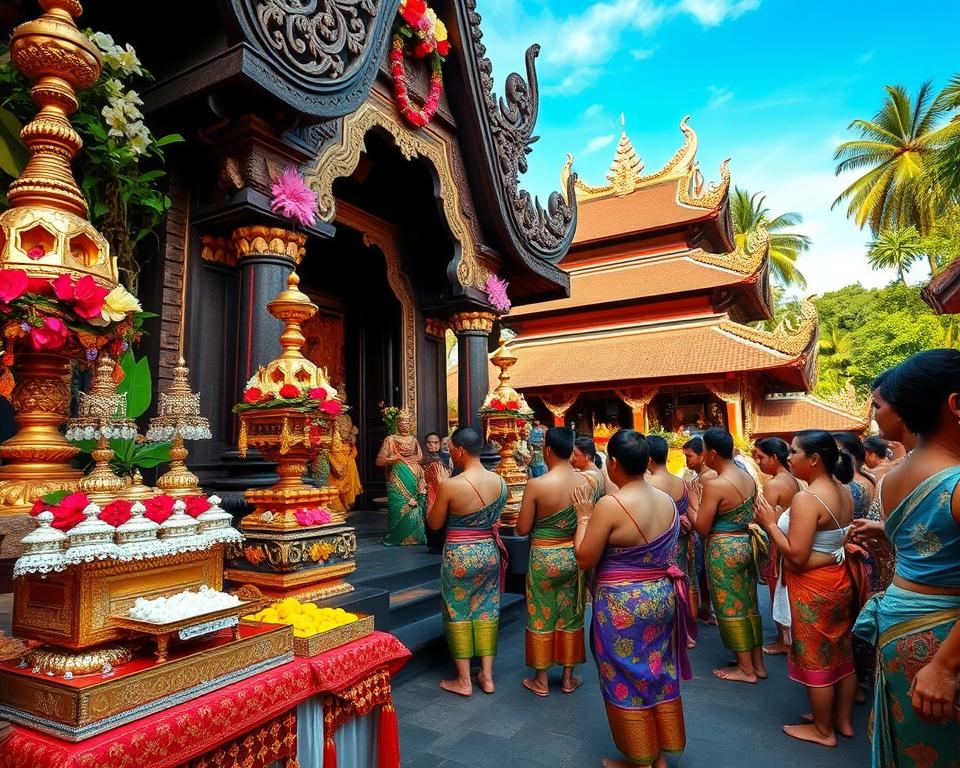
<point x="558" y="527"/>
<point x="828" y="542"/>
<point x="924" y="533"/>
<point x="736" y="520"/>
<point x="485" y="517"/>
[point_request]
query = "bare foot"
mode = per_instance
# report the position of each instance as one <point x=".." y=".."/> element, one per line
<point x="707" y="618"/>
<point x="761" y="673"/>
<point x="570" y="684"/>
<point x="844" y="729"/>
<point x="735" y="675"/>
<point x="810" y="733"/>
<point x="486" y="685"/>
<point x="457" y="686"/>
<point x="530" y="683"/>
<point x="775" y="649"/>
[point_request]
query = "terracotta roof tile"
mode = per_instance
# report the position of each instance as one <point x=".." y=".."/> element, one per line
<point x="786" y="415"/>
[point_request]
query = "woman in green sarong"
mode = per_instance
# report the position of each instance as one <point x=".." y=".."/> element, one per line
<point x="406" y="487"/>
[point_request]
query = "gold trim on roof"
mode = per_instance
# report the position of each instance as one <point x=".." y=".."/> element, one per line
<point x="848" y="401"/>
<point x="693" y="192"/>
<point x="625" y="174"/>
<point x="787" y="338"/>
<point x="746" y="261"/>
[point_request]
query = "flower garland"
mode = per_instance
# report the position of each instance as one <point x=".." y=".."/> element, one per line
<point x="517" y="407"/>
<point x="307" y="399"/>
<point x="418" y="26"/>
<point x="67" y="508"/>
<point x="76" y="318"/>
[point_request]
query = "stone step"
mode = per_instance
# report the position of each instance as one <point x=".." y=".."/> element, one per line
<point x="412" y="604"/>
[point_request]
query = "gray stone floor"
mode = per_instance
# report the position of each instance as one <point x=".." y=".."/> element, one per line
<point x="728" y="724"/>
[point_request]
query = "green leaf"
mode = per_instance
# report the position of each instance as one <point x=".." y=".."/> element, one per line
<point x="170" y="138"/>
<point x="55" y="497"/>
<point x="13" y="152"/>
<point x="149" y="455"/>
<point x="151" y="176"/>
<point x="136" y="383"/>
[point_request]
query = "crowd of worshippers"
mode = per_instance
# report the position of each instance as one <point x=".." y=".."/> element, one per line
<point x="858" y="543"/>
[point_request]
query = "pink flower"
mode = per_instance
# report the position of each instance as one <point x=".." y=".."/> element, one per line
<point x="37" y="252"/>
<point x="319" y="393"/>
<point x="51" y="335"/>
<point x="13" y="284"/>
<point x="332" y="407"/>
<point x="293" y="198"/>
<point x="88" y="297"/>
<point x="63" y="287"/>
<point x="497" y="294"/>
<point x="312" y="516"/>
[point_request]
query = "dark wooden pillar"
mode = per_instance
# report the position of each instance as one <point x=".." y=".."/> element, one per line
<point x="473" y="331"/>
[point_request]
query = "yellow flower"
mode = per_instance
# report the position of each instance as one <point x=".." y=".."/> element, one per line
<point x="439" y="31"/>
<point x="116" y="305"/>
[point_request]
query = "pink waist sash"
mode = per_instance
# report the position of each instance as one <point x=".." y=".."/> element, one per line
<point x="686" y="625"/>
<point x="473" y="536"/>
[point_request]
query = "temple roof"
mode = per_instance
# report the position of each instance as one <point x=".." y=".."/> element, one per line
<point x="791" y="413"/>
<point x="942" y="293"/>
<point x="632" y="203"/>
<point x="688" y="271"/>
<point x="704" y="346"/>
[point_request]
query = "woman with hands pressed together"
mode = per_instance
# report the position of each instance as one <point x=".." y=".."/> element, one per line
<point x="915" y="623"/>
<point x="825" y="583"/>
<point x="640" y="606"/>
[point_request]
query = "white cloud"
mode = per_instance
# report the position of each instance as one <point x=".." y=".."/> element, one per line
<point x="576" y="82"/>
<point x="719" y="95"/>
<point x="641" y="54"/>
<point x="594" y="110"/>
<point x="710" y="13"/>
<point x="598" y="143"/>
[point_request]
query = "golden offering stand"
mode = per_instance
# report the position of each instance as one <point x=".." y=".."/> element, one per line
<point x="503" y="429"/>
<point x="281" y="555"/>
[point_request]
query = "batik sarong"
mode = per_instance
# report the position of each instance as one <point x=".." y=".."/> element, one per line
<point x="686" y="554"/>
<point x="732" y="572"/>
<point x="555" y="594"/>
<point x="471" y="580"/>
<point x="406" y="504"/>
<point x="823" y="607"/>
<point x="638" y="638"/>
<point x="537" y="465"/>
<point x="907" y="628"/>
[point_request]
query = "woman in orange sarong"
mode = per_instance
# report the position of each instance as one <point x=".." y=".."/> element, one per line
<point x="825" y="584"/>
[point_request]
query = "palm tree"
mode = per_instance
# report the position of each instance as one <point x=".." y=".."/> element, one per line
<point x="895" y="248"/>
<point x="836" y="347"/>
<point x="750" y="214"/>
<point x="896" y="148"/>
<point x="946" y="160"/>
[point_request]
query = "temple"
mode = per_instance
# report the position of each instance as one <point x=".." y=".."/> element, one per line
<point x="660" y="329"/>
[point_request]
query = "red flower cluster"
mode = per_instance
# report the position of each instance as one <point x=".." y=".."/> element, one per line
<point x="159" y="508"/>
<point x="417" y="117"/>
<point x="116" y="512"/>
<point x="323" y="396"/>
<point x="67" y="512"/>
<point x="499" y="405"/>
<point x="196" y="505"/>
<point x="84" y="295"/>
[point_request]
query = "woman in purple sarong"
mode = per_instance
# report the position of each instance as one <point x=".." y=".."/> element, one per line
<point x="641" y="610"/>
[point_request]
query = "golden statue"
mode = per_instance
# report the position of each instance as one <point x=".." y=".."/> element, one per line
<point x="400" y="454"/>
<point x="344" y="474"/>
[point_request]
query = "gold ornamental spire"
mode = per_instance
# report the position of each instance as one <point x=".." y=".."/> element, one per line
<point x="627" y="167"/>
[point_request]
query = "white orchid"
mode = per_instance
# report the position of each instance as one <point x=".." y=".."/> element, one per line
<point x="138" y="138"/>
<point x="114" y="88"/>
<point x="129" y="102"/>
<point x="103" y="41"/>
<point x="129" y="62"/>
<point x="116" y="120"/>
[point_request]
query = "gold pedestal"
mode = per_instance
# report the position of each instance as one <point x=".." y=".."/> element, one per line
<point x="178" y="480"/>
<point x="102" y="486"/>
<point x="503" y="431"/>
<point x="36" y="460"/>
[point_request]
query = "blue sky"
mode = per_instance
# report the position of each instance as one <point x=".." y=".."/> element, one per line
<point x="769" y="83"/>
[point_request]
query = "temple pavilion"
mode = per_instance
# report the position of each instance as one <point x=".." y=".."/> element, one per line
<point x="660" y="330"/>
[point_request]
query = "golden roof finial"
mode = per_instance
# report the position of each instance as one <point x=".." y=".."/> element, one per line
<point x="626" y="169"/>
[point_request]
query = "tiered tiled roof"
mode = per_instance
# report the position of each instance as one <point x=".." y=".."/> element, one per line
<point x="788" y="414"/>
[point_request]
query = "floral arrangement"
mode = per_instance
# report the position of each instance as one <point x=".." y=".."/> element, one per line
<point x="77" y="318"/>
<point x="496" y="290"/>
<point x="293" y="198"/>
<point x="674" y="439"/>
<point x="67" y="508"/>
<point x="513" y="405"/>
<point x="313" y="515"/>
<point x="419" y="32"/>
<point x="121" y="162"/>
<point x="389" y="414"/>
<point x="304" y="399"/>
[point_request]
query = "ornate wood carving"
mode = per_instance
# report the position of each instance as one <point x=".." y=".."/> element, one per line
<point x="559" y="410"/>
<point x="275" y="241"/>
<point x="340" y="159"/>
<point x="218" y="250"/>
<point x="466" y="322"/>
<point x="636" y="403"/>
<point x="435" y="328"/>
<point x="505" y="130"/>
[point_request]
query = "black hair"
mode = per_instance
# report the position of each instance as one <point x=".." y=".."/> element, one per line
<point x="851" y="444"/>
<point x="597" y="461"/>
<point x="432" y="434"/>
<point x="775" y="446"/>
<point x="658" y="449"/>
<point x="560" y="441"/>
<point x="469" y="439"/>
<point x="918" y="387"/>
<point x="878" y="382"/>
<point x="876" y="445"/>
<point x="694" y="444"/>
<point x="586" y="445"/>
<point x="719" y="440"/>
<point x="630" y="450"/>
<point x="817" y="442"/>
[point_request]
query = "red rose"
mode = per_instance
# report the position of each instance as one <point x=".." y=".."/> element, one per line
<point x="88" y="298"/>
<point x="63" y="287"/>
<point x="513" y="405"/>
<point x="443" y="47"/>
<point x="159" y="508"/>
<point x="319" y="393"/>
<point x="38" y="506"/>
<point x="289" y="391"/>
<point x="116" y="513"/>
<point x="51" y="335"/>
<point x="412" y="12"/>
<point x="196" y="505"/>
<point x="252" y="395"/>
<point x="422" y="50"/>
<point x="69" y="511"/>
<point x="13" y="284"/>
<point x="333" y="407"/>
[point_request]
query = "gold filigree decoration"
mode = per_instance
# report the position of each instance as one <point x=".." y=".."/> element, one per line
<point x="559" y="410"/>
<point x="787" y="338"/>
<point x="636" y="403"/>
<point x="723" y="394"/>
<point x="435" y="328"/>
<point x="402" y="288"/>
<point x="694" y="193"/>
<point x="625" y="174"/>
<point x="464" y="322"/>
<point x="848" y="401"/>
<point x="746" y="260"/>
<point x="340" y="159"/>
<point x="218" y="250"/>
<point x="274" y="241"/>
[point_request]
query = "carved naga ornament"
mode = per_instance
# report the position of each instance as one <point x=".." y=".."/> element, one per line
<point x="506" y="126"/>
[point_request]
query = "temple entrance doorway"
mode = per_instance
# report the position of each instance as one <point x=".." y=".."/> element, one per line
<point x="689" y="409"/>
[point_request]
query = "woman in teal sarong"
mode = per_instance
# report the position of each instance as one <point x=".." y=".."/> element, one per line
<point x="915" y="623"/>
<point x="406" y="487"/>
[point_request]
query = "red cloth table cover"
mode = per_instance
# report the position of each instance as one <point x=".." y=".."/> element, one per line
<point x="182" y="733"/>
